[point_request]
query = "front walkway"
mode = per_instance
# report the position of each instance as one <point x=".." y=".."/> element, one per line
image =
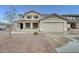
<point x="25" y="42"/>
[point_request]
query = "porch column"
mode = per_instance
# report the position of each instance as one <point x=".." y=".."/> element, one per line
<point x="23" y="25"/>
<point x="18" y="26"/>
<point x="31" y="25"/>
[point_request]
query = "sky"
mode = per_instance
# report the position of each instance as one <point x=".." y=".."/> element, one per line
<point x="44" y="9"/>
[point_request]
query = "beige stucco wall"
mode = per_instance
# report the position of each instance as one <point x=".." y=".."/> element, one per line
<point x="32" y="14"/>
<point x="54" y="19"/>
<point x="68" y="25"/>
<point x="26" y="20"/>
<point x="77" y="25"/>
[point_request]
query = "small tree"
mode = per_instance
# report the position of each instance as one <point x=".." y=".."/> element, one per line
<point x="10" y="17"/>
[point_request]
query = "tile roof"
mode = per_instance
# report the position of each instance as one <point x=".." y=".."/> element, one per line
<point x="31" y="11"/>
<point x="76" y="15"/>
<point x="53" y="14"/>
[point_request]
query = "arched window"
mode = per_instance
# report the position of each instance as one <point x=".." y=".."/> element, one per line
<point x="35" y="16"/>
<point x="73" y="17"/>
<point x="70" y="17"/>
<point x="29" y="16"/>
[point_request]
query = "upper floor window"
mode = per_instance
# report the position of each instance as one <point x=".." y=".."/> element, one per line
<point x="29" y="17"/>
<point x="22" y="16"/>
<point x="35" y="16"/>
<point x="73" y="17"/>
<point x="70" y="17"/>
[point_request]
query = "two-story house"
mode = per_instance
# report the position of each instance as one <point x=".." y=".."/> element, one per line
<point x="34" y="21"/>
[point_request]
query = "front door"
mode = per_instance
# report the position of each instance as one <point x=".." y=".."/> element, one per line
<point x="21" y="25"/>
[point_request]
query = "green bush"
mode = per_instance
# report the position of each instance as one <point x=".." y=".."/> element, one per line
<point x="35" y="33"/>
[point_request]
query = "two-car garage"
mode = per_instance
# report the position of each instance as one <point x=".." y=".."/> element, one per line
<point x="53" y="24"/>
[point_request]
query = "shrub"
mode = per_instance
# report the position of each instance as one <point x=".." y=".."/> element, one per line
<point x="35" y="33"/>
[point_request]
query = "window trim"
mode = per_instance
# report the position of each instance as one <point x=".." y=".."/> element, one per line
<point x="35" y="16"/>
<point x="26" y="25"/>
<point x="29" y="16"/>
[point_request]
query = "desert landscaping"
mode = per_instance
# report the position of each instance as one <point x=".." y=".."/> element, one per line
<point x="25" y="42"/>
<point x="41" y="42"/>
<point x="31" y="31"/>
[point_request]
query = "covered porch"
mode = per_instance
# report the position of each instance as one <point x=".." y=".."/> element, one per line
<point x="30" y="25"/>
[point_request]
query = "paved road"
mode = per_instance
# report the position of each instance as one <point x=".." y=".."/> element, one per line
<point x="25" y="42"/>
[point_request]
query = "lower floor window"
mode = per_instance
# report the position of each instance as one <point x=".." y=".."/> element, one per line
<point x="27" y="25"/>
<point x="35" y="25"/>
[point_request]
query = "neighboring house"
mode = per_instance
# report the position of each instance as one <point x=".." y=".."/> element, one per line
<point x="34" y="21"/>
<point x="73" y="20"/>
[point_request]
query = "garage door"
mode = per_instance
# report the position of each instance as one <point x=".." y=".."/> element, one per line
<point x="53" y="26"/>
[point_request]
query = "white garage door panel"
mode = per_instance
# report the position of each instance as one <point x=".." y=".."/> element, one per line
<point x="55" y="27"/>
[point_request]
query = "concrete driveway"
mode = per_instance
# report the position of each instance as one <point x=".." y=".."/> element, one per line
<point x="25" y="42"/>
